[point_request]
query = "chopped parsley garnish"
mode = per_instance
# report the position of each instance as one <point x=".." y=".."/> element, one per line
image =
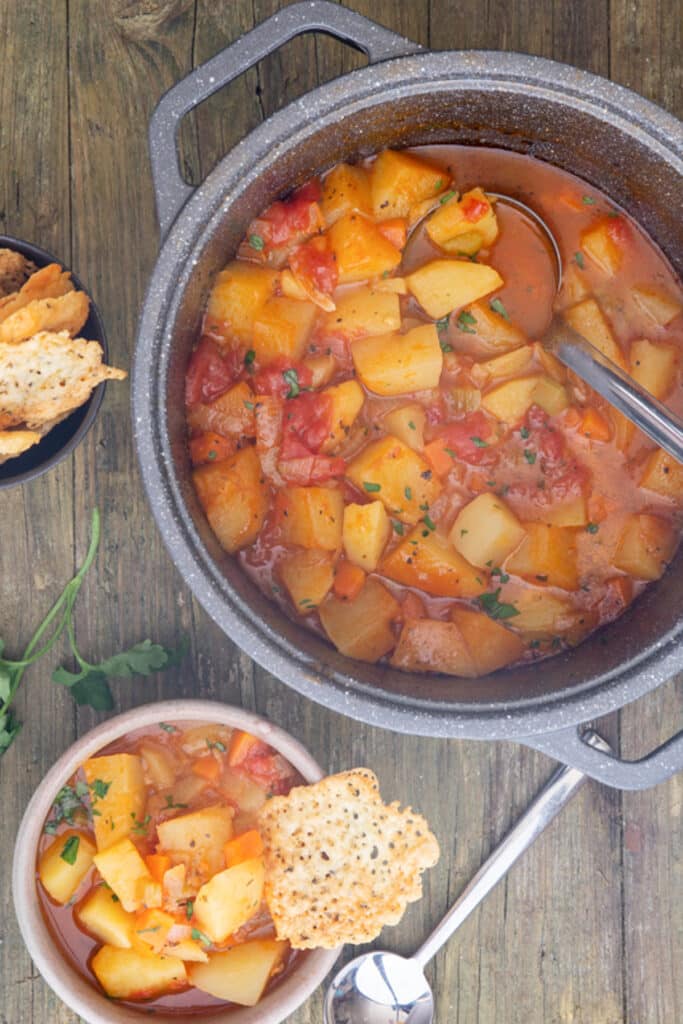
<point x="529" y="456"/>
<point x="140" y="827"/>
<point x="212" y="454"/>
<point x="189" y="909"/>
<point x="592" y="527"/>
<point x="200" y="937"/>
<point x="370" y="487"/>
<point x="438" y="185"/>
<point x="398" y="527"/>
<point x="291" y="377"/>
<point x="449" y="451"/>
<point x="478" y="443"/>
<point x="442" y="324"/>
<point x="465" y="322"/>
<point x="498" y="307"/>
<point x="256" y="242"/>
<point x="496" y="609"/>
<point x="170" y="804"/>
<point x="248" y="405"/>
<point x="446" y="197"/>
<point x="502" y="576"/>
<point x="144" y="931"/>
<point x="588" y="200"/>
<point x="99" y="788"/>
<point x="167" y="728"/>
<point x="408" y="493"/>
<point x="445" y="347"/>
<point x="69" y="800"/>
<point x="429" y="523"/>
<point x="411" y="425"/>
<point x="249" y="357"/>
<point x="216" y="745"/>
<point x="579" y="260"/>
<point x="70" y="850"/>
<point x="524" y="432"/>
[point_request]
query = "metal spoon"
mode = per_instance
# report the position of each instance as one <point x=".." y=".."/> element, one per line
<point x="385" y="988"/>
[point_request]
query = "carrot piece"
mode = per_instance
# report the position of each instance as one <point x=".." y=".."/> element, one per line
<point x="395" y="231"/>
<point x="244" y="847"/>
<point x="157" y="864"/>
<point x="572" y="417"/>
<point x="438" y="458"/>
<point x="207" y="768"/>
<point x="571" y="200"/>
<point x="242" y="746"/>
<point x="594" y="425"/>
<point x="210" y="447"/>
<point x="348" y="580"/>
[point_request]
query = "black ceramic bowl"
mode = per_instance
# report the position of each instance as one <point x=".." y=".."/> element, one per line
<point x="62" y="439"/>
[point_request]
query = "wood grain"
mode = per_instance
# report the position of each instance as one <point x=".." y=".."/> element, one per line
<point x="588" y="928"/>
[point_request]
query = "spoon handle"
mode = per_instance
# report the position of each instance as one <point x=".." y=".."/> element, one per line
<point x="556" y="793"/>
<point x="620" y="390"/>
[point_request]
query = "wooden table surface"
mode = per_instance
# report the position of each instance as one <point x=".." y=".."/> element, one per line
<point x="588" y="928"/>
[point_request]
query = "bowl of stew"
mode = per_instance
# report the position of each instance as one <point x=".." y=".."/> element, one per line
<point x="359" y="453"/>
<point x="138" y="874"/>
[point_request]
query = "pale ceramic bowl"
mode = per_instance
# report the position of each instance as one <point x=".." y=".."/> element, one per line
<point x="81" y="995"/>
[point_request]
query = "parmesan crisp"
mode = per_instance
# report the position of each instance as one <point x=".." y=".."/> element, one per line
<point x="340" y="864"/>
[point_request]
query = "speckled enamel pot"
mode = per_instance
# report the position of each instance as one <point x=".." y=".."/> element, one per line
<point x="612" y="138"/>
<point x="76" y="991"/>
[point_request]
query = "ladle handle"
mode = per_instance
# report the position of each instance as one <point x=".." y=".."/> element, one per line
<point x="621" y="391"/>
<point x="556" y="793"/>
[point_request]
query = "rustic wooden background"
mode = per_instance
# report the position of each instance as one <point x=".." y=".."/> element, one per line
<point x="588" y="928"/>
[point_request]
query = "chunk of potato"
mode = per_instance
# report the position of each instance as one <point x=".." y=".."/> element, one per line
<point x="464" y="225"/>
<point x="238" y="293"/>
<point x="588" y="319"/>
<point x="117" y="788"/>
<point x="132" y="974"/>
<point x="574" y="287"/>
<point x="311" y="516"/>
<point x="360" y="250"/>
<point x="510" y="364"/>
<point x="308" y="576"/>
<point x="664" y="475"/>
<point x="490" y="644"/>
<point x="345" y="188"/>
<point x="430" y="645"/>
<point x="407" y="423"/>
<point x="323" y="369"/>
<point x="150" y="930"/>
<point x="543" y="615"/>
<point x="646" y="546"/>
<point x="550" y="395"/>
<point x="397" y="475"/>
<point x="185" y="949"/>
<point x="465" y="400"/>
<point x="229" y="899"/>
<point x="234" y="496"/>
<point x="486" y="531"/>
<point x="398" y="364"/>
<point x="365" y="534"/>
<point x="654" y="366"/>
<point x="362" y="312"/>
<point x="393" y="285"/>
<point x="200" y="834"/>
<point x="240" y="975"/>
<point x="488" y="333"/>
<point x="231" y="414"/>
<point x="65" y="863"/>
<point x="546" y="555"/>
<point x="510" y="401"/>
<point x="441" y="286"/>
<point x="362" y="628"/>
<point x="347" y="402"/>
<point x="103" y="916"/>
<point x="657" y="304"/>
<point x="398" y="180"/>
<point x="432" y="564"/>
<point x="598" y="244"/>
<point x="159" y="763"/>
<point x="126" y="873"/>
<point x="567" y="513"/>
<point x="282" y="327"/>
<point x="291" y="287"/>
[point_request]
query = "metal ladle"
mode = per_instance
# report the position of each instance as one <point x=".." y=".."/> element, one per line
<point x="385" y="988"/>
<point x="661" y="425"/>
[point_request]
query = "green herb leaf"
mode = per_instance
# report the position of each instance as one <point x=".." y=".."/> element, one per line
<point x="478" y="443"/>
<point x="529" y="456"/>
<point x="408" y="493"/>
<point x="172" y="805"/>
<point x="140" y="827"/>
<point x="5" y="684"/>
<point x="99" y="788"/>
<point x="429" y="523"/>
<point x="70" y="850"/>
<point x="438" y="185"/>
<point x="398" y="527"/>
<point x="256" y="242"/>
<point x="588" y="200"/>
<point x="249" y="357"/>
<point x="579" y="260"/>
<point x="89" y="687"/>
<point x="465" y="322"/>
<point x="592" y="527"/>
<point x="496" y="609"/>
<point x="167" y="728"/>
<point x="200" y="937"/>
<point x="370" y="487"/>
<point x="442" y="324"/>
<point x="502" y="576"/>
<point x="446" y="197"/>
<point x="524" y="432"/>
<point x="248" y="405"/>
<point x="189" y="909"/>
<point x="216" y="745"/>
<point x="445" y="347"/>
<point x="291" y="377"/>
<point x="497" y="306"/>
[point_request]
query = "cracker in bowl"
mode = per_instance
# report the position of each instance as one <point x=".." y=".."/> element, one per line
<point x="340" y="864"/>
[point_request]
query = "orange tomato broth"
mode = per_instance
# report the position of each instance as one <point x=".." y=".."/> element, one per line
<point x="532" y="464"/>
<point x="230" y="749"/>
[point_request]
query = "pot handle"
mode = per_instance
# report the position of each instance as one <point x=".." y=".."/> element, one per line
<point x="571" y="746"/>
<point x="171" y="190"/>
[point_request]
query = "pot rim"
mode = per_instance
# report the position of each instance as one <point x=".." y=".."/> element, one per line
<point x="72" y="988"/>
<point x="533" y="78"/>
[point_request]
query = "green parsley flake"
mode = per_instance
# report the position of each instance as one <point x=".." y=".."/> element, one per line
<point x="291" y="377"/>
<point x="497" y="306"/>
<point x="429" y="523"/>
<point x="529" y="456"/>
<point x="200" y="937"/>
<point x="524" y="432"/>
<point x="398" y="527"/>
<point x="588" y="200"/>
<point x="408" y="493"/>
<point x="167" y="728"/>
<point x="478" y="443"/>
<point x="70" y="850"/>
<point x="465" y="322"/>
<point x="442" y="324"/>
<point x="256" y="242"/>
<point x="189" y="909"/>
<point x="446" y="197"/>
<point x="99" y="788"/>
<point x="496" y="609"/>
<point x="249" y="357"/>
<point x="445" y="347"/>
<point x="370" y="487"/>
<point x="592" y="527"/>
<point x="579" y="260"/>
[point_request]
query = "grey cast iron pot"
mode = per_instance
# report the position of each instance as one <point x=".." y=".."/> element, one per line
<point x="607" y="135"/>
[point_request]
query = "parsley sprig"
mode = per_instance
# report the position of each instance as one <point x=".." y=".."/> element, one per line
<point x="89" y="685"/>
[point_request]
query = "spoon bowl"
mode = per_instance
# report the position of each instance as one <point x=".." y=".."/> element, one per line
<point x="380" y="988"/>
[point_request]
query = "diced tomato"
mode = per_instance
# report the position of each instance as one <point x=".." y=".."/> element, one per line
<point x="469" y="438"/>
<point x="474" y="209"/>
<point x="210" y="372"/>
<point x="272" y="380"/>
<point x="315" y="264"/>
<point x="311" y="469"/>
<point x="270" y="771"/>
<point x="618" y="230"/>
<point x="571" y="483"/>
<point x="395" y="231"/>
<point x="211" y="447"/>
<point x="536" y="417"/>
<point x="307" y="423"/>
<point x="287" y="221"/>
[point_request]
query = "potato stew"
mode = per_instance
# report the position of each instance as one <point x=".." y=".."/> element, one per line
<point x="151" y="873"/>
<point x="378" y="433"/>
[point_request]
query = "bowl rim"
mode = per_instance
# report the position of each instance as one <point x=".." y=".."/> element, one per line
<point x="91" y="407"/>
<point x="73" y="988"/>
